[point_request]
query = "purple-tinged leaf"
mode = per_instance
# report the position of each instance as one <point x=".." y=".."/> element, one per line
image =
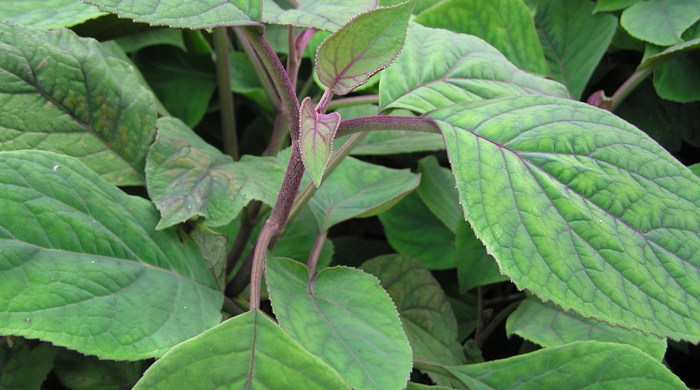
<point x="364" y="46"/>
<point x="316" y="138"/>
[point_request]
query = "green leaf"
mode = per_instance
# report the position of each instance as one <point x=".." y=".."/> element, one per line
<point x="187" y="177"/>
<point x="613" y="5"/>
<point x="505" y="24"/>
<point x="80" y="372"/>
<point x="425" y="313"/>
<point x="579" y="365"/>
<point x="316" y="133"/>
<point x="192" y="14"/>
<point x="413" y="230"/>
<point x="24" y="368"/>
<point x="212" y="247"/>
<point x="82" y="266"/>
<point x="437" y="190"/>
<point x="359" y="189"/>
<point x="654" y="56"/>
<point x="362" y="47"/>
<point x="184" y="82"/>
<point x="695" y="168"/>
<point x="573" y="40"/>
<point x="298" y="239"/>
<point x="343" y="316"/>
<point x="660" y="22"/>
<point x="60" y="93"/>
<point x="475" y="267"/>
<point x="581" y="208"/>
<point x="244" y="81"/>
<point x="419" y="386"/>
<point x="328" y="15"/>
<point x="161" y="36"/>
<point x="549" y="326"/>
<point x="47" y="14"/>
<point x="439" y="68"/>
<point x="249" y="351"/>
<point x="676" y="79"/>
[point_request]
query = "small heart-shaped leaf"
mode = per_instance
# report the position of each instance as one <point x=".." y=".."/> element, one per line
<point x="316" y="138"/>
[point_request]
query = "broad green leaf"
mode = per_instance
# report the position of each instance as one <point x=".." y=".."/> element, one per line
<point x="184" y="82"/>
<point x="79" y="372"/>
<point x="505" y="24"/>
<point x="212" y="247"/>
<point x="419" y="386"/>
<point x="316" y="133"/>
<point x="244" y="81"/>
<point x="581" y="208"/>
<point x="343" y="316"/>
<point x="573" y="40"/>
<point x="660" y="22"/>
<point x="187" y="178"/>
<point x="475" y="267"/>
<point x="191" y="14"/>
<point x="613" y="5"/>
<point x="413" y="230"/>
<point x="676" y="80"/>
<point x="654" y="56"/>
<point x="437" y="190"/>
<point x="298" y="238"/>
<point x="439" y="68"/>
<point x="60" y="93"/>
<point x="47" y="14"/>
<point x="22" y="367"/>
<point x="425" y="313"/>
<point x="82" y="266"/>
<point x="161" y="36"/>
<point x="579" y="365"/>
<point x="359" y="189"/>
<point x="549" y="326"/>
<point x="362" y="47"/>
<point x="249" y="351"/>
<point x="467" y="313"/>
<point x="328" y="15"/>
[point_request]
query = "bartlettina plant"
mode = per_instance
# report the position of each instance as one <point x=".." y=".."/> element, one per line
<point x="352" y="194"/>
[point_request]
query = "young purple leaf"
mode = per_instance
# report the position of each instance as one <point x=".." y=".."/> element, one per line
<point x="316" y="141"/>
<point x="365" y="45"/>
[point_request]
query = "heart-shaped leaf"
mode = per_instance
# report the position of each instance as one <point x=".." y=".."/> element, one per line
<point x="573" y="40"/>
<point x="60" y="93"/>
<point x="82" y="266"/>
<point x="660" y="22"/>
<point x="439" y="68"/>
<point x="49" y="14"/>
<point x="488" y="20"/>
<point x="187" y="177"/>
<point x="362" y="47"/>
<point x="581" y="208"/>
<point x="316" y="138"/>
<point x="191" y="14"/>
<point x="359" y="189"/>
<point x="244" y="352"/>
<point x="549" y="326"/>
<point x="425" y="313"/>
<point x="343" y="316"/>
<point x="580" y="365"/>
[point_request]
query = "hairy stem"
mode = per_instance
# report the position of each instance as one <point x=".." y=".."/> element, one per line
<point x="292" y="178"/>
<point x="222" y="45"/>
<point x="371" y="123"/>
<point x="258" y="68"/>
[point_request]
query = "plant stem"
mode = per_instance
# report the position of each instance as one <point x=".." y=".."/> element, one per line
<point x="371" y="123"/>
<point x="310" y="189"/>
<point x="491" y="326"/>
<point x="223" y="77"/>
<point x="292" y="178"/>
<point x="352" y="101"/>
<point x="629" y="85"/>
<point x="258" y="68"/>
<point x="249" y="218"/>
<point x="316" y="252"/>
